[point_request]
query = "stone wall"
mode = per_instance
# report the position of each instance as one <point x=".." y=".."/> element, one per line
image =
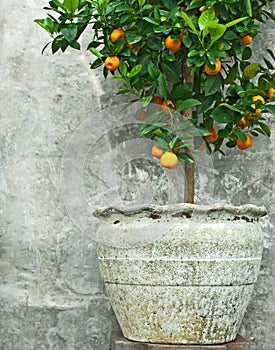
<point x="51" y="294"/>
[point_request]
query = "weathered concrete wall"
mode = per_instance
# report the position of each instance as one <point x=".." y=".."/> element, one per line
<point x="51" y="294"/>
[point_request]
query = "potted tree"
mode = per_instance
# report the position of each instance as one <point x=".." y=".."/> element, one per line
<point x="188" y="65"/>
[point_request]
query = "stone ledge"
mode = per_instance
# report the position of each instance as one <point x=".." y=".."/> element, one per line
<point x="119" y="342"/>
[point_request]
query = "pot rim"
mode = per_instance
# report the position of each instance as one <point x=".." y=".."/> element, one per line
<point x="249" y="210"/>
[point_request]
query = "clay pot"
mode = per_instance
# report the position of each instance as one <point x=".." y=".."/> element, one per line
<point x="181" y="274"/>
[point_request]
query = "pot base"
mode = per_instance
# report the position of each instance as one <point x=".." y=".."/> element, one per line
<point x="119" y="342"/>
<point x="179" y="314"/>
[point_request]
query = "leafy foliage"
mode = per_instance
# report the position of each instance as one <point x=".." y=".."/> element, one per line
<point x="207" y="31"/>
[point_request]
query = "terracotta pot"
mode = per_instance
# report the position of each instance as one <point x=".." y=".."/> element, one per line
<point x="181" y="274"/>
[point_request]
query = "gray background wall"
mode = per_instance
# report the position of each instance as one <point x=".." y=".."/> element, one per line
<point x="51" y="295"/>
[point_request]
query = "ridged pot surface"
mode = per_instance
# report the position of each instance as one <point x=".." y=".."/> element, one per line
<point x="189" y="279"/>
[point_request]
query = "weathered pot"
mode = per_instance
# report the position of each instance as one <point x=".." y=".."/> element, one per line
<point x="189" y="284"/>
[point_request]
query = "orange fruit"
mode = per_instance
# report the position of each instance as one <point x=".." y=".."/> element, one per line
<point x="157" y="100"/>
<point x="169" y="160"/>
<point x="175" y="149"/>
<point x="258" y="111"/>
<point x="133" y="47"/>
<point x="245" y="144"/>
<point x="167" y="106"/>
<point x="172" y="45"/>
<point x="246" y="40"/>
<point x="271" y="93"/>
<point x="242" y="123"/>
<point x="157" y="151"/>
<point x="214" y="135"/>
<point x="116" y="35"/>
<point x="215" y="71"/>
<point x="142" y="115"/>
<point x="112" y="63"/>
<point x="258" y="98"/>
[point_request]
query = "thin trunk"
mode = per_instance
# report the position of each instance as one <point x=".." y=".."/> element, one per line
<point x="189" y="190"/>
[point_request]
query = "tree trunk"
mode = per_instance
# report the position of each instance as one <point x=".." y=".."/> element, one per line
<point x="189" y="190"/>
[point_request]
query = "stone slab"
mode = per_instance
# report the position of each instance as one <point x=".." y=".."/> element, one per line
<point x="119" y="342"/>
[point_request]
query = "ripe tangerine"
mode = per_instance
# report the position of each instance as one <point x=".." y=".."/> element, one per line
<point x="214" y="135"/>
<point x="112" y="63"/>
<point x="245" y="144"/>
<point x="271" y="93"/>
<point x="116" y="35"/>
<point x="215" y="71"/>
<point x="246" y="40"/>
<point x="172" y="45"/>
<point x="169" y="160"/>
<point x="157" y="151"/>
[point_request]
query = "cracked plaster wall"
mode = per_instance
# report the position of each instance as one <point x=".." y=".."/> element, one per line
<point x="51" y="294"/>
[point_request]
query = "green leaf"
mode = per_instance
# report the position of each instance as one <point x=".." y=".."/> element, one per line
<point x="236" y="21"/>
<point x="188" y="104"/>
<point x="189" y="22"/>
<point x="248" y="8"/>
<point x="123" y="68"/>
<point x="224" y="133"/>
<point x="153" y="71"/>
<point x="230" y="35"/>
<point x="268" y="64"/>
<point x="213" y="84"/>
<point x="154" y="43"/>
<point x="55" y="45"/>
<point x="170" y="69"/>
<point x="205" y="18"/>
<point x="196" y="131"/>
<point x="69" y="32"/>
<point x="147" y="128"/>
<point x="269" y="108"/>
<point x="232" y="74"/>
<point x="186" y="157"/>
<point x="95" y="52"/>
<point x="135" y="70"/>
<point x="162" y="85"/>
<point x="161" y="142"/>
<point x="97" y="63"/>
<point x="182" y="91"/>
<point x="48" y="24"/>
<point x="247" y="53"/>
<point x="231" y="144"/>
<point x="222" y="115"/>
<point x="75" y="45"/>
<point x="150" y="20"/>
<point x="251" y="70"/>
<point x="58" y="4"/>
<point x="71" y="5"/>
<point x="141" y="2"/>
<point x="146" y="100"/>
<point x="173" y="12"/>
<point x="240" y="135"/>
<point x="206" y="102"/>
<point x="216" y="30"/>
<point x="271" y="54"/>
<point x="133" y="38"/>
<point x="170" y="4"/>
<point x="188" y="40"/>
<point x="265" y="129"/>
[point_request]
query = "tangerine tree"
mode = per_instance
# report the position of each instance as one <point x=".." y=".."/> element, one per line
<point x="188" y="63"/>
